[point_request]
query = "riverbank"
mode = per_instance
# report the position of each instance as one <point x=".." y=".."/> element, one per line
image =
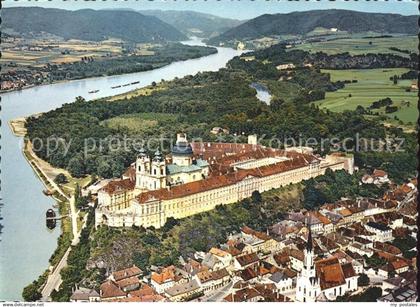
<point x="44" y="170"/>
<point x="135" y="63"/>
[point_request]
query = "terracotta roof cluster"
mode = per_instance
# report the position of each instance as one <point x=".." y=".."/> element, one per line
<point x="119" y="186"/>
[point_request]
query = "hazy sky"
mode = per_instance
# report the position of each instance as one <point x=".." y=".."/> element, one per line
<point x="239" y="9"/>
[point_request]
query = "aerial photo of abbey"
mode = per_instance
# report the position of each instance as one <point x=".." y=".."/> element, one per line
<point x="209" y="151"/>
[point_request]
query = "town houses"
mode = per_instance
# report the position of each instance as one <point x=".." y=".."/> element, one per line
<point x="196" y="177"/>
<point x="339" y="250"/>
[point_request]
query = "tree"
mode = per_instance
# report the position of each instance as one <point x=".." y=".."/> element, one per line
<point x="76" y="166"/>
<point x="256" y="197"/>
<point x="80" y="99"/>
<point x="360" y="109"/>
<point x="170" y="223"/>
<point x="31" y="293"/>
<point x="363" y="280"/>
<point x="60" y="179"/>
<point x="141" y="260"/>
<point x="276" y="104"/>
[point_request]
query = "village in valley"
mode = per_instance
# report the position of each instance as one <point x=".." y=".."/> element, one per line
<point x="351" y="250"/>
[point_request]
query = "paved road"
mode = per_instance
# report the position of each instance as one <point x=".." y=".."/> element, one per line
<point x="54" y="279"/>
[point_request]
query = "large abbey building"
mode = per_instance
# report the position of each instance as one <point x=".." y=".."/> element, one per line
<point x="198" y="176"/>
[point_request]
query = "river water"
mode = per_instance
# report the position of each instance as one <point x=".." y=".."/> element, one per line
<point x="26" y="243"/>
<point x="262" y="92"/>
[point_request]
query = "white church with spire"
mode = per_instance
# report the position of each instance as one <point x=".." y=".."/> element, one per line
<point x="325" y="279"/>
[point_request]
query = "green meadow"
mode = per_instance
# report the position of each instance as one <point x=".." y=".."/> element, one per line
<point x="364" y="45"/>
<point x="372" y="85"/>
<point x="139" y="122"/>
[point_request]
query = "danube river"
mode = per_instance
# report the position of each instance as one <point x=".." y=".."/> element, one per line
<point x="26" y="243"/>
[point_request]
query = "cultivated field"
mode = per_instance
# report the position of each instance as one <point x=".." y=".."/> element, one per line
<point x="372" y="85"/>
<point x="37" y="52"/>
<point x="363" y="45"/>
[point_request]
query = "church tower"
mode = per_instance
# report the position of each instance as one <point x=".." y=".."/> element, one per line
<point x="158" y="172"/>
<point x="142" y="170"/>
<point x="150" y="174"/>
<point x="307" y="284"/>
<point x="182" y="153"/>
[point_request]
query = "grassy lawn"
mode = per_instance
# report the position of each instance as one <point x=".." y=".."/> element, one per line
<point x="372" y="85"/>
<point x="284" y="90"/>
<point x="138" y="122"/>
<point x="361" y="45"/>
<point x="70" y="186"/>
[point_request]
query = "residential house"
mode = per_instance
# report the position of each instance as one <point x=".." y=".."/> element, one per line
<point x="382" y="232"/>
<point x="184" y="291"/>
<point x="81" y="294"/>
<point x="244" y="261"/>
<point x="110" y="291"/>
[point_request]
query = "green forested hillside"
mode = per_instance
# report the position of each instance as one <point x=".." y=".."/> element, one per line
<point x="299" y="23"/>
<point x="89" y="24"/>
<point x="195" y="23"/>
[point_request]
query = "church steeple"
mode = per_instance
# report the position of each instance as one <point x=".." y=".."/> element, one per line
<point x="309" y="243"/>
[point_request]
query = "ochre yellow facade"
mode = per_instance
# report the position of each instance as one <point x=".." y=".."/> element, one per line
<point x="155" y="212"/>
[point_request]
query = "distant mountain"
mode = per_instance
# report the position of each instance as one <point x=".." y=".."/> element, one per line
<point x="298" y="23"/>
<point x="89" y="24"/>
<point x="195" y="23"/>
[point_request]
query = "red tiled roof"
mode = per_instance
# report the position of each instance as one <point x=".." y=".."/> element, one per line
<point x="119" y="186"/>
<point x="297" y="254"/>
<point x="247" y="259"/>
<point x="126" y="273"/>
<point x="330" y="273"/>
<point x="260" y="235"/>
<point x="109" y="289"/>
<point x="166" y="275"/>
<point x="128" y="282"/>
<point x="398" y="264"/>
<point x="379" y="173"/>
<point x="144" y="290"/>
<point x="214" y="182"/>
